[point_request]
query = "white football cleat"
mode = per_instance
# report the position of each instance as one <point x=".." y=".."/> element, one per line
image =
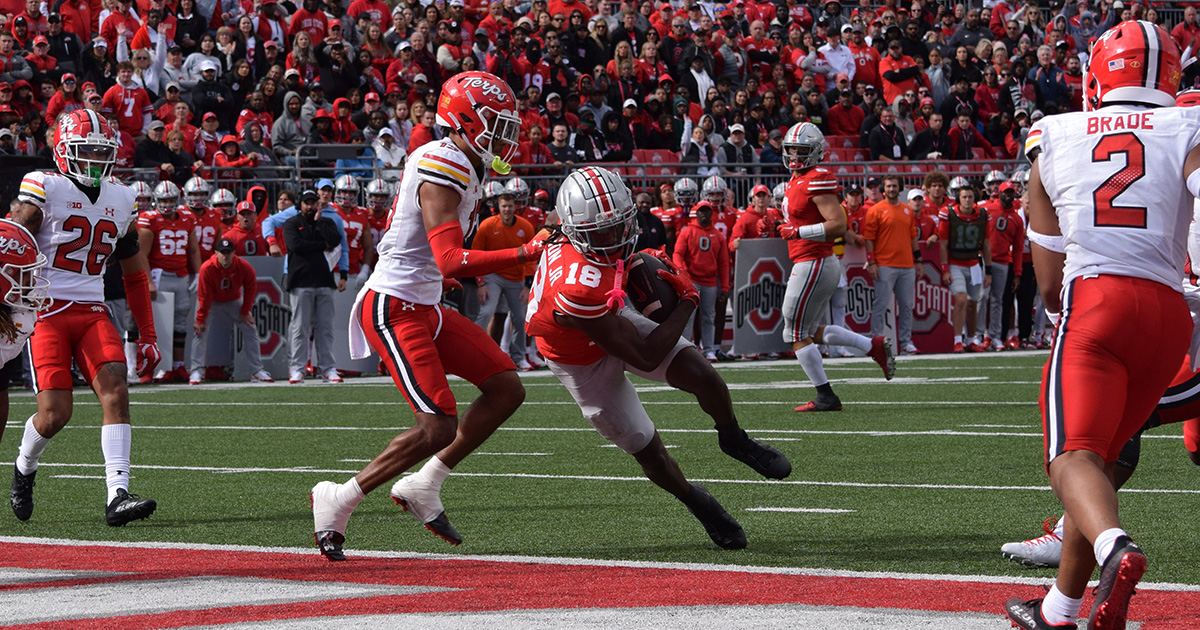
<point x="535" y="360"/>
<point x="196" y="377"/>
<point x="332" y="376"/>
<point x="1041" y="552"/>
<point x="297" y="376"/>
<point x="261" y="376"/>
<point x="525" y="366"/>
<point x="420" y="498"/>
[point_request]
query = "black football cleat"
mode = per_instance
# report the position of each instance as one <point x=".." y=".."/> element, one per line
<point x="1027" y="614"/>
<point x="821" y="403"/>
<point x="21" y="494"/>
<point x="330" y="544"/>
<point x="763" y="459"/>
<point x="721" y="527"/>
<point x="1121" y="572"/>
<point x="127" y="507"/>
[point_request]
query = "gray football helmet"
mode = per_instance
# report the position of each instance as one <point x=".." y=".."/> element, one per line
<point x="803" y="146"/>
<point x="491" y="190"/>
<point x="223" y="202"/>
<point x="686" y="192"/>
<point x="1020" y="179"/>
<point x="379" y="192"/>
<point x="713" y="190"/>
<point x="166" y="196"/>
<point x="597" y="213"/>
<point x="519" y="190"/>
<point x="196" y="191"/>
<point x="994" y="177"/>
<point x="778" y="193"/>
<point x="143" y="196"/>
<point x="956" y="184"/>
<point x="345" y="190"/>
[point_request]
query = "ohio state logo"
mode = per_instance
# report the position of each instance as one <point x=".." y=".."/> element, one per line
<point x="931" y="305"/>
<point x="760" y="301"/>
<point x="271" y="317"/>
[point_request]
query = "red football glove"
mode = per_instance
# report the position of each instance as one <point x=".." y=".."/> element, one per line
<point x="661" y="254"/>
<point x="787" y="230"/>
<point x="148" y="357"/>
<point x="533" y="249"/>
<point x="682" y="285"/>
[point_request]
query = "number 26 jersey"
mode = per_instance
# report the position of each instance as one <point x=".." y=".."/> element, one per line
<point x="77" y="236"/>
<point x="1116" y="179"/>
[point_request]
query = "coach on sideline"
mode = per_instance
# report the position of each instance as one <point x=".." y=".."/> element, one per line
<point x="226" y="294"/>
<point x="309" y="238"/>
<point x="890" y="230"/>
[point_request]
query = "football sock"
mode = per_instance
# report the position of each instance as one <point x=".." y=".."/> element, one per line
<point x="114" y="443"/>
<point x="1058" y="527"/>
<point x="957" y="338"/>
<point x="810" y="361"/>
<point x="1058" y="608"/>
<point x="32" y="445"/>
<point x="1105" y="543"/>
<point x="436" y="471"/>
<point x="838" y="336"/>
<point x="349" y="494"/>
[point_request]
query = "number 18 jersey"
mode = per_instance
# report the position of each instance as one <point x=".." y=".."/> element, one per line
<point x="570" y="284"/>
<point x="77" y="236"/>
<point x="1116" y="179"/>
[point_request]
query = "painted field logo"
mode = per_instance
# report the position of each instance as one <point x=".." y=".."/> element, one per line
<point x="760" y="301"/>
<point x="271" y="317"/>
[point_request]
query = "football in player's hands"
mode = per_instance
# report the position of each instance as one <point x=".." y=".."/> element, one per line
<point x="649" y="293"/>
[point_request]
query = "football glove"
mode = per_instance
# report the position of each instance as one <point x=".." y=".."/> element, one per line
<point x="148" y="356"/>
<point x="682" y="284"/>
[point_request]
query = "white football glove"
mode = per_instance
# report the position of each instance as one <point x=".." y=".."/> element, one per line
<point x="193" y="283"/>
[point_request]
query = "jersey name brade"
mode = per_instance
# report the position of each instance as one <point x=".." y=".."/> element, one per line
<point x="1119" y="122"/>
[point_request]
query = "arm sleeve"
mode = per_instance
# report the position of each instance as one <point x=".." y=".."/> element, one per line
<point x="455" y="262"/>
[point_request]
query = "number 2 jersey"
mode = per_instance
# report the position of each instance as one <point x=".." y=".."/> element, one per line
<point x="567" y="282"/>
<point x="406" y="268"/>
<point x="77" y="236"/>
<point x="1116" y="179"/>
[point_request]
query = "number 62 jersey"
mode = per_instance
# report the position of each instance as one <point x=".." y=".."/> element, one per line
<point x="1116" y="178"/>
<point x="77" y="236"/>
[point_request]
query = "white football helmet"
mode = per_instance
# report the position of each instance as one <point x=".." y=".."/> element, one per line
<point x="196" y="192"/>
<point x="598" y="215"/>
<point x="491" y="190"/>
<point x="345" y="190"/>
<point x="166" y="196"/>
<point x="778" y="193"/>
<point x="143" y="196"/>
<point x="519" y="190"/>
<point x="223" y="202"/>
<point x="379" y="192"/>
<point x="686" y="192"/>
<point x="956" y="184"/>
<point x="994" y="177"/>
<point x="713" y="190"/>
<point x="803" y="146"/>
<point x="1020" y="179"/>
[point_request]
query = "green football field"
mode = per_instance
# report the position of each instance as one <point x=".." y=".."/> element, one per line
<point x="929" y="473"/>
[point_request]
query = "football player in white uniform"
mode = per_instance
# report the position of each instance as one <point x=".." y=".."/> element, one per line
<point x="22" y="295"/>
<point x="1110" y="198"/>
<point x="398" y="314"/>
<point x="80" y="216"/>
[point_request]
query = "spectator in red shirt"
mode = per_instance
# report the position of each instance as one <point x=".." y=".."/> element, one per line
<point x="845" y="118"/>
<point x="128" y="100"/>
<point x="900" y="72"/>
<point x="226" y="293"/>
<point x="35" y="20"/>
<point x="964" y="138"/>
<point x="1186" y="32"/>
<point x="245" y="234"/>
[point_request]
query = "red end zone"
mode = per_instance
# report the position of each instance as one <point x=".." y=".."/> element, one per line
<point x="457" y="585"/>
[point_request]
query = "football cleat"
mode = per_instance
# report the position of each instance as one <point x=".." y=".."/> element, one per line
<point x="997" y="346"/>
<point x="297" y="376"/>
<point x="1041" y="552"/>
<point x="958" y="347"/>
<point x="1013" y="343"/>
<point x="525" y="366"/>
<point x="710" y="356"/>
<point x="881" y="352"/>
<point x="20" y="496"/>
<point x="821" y="403"/>
<point x="535" y="359"/>
<point x="261" y="376"/>
<point x="195" y="378"/>
<point x="418" y="497"/>
<point x="329" y="543"/>
<point x="1028" y="615"/>
<point x="127" y="507"/>
<point x="763" y="459"/>
<point x="721" y="527"/>
<point x="1121" y="572"/>
<point x="331" y="376"/>
<point x="909" y="348"/>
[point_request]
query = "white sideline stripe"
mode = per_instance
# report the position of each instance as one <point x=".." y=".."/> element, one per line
<point x="838" y="484"/>
<point x="995" y="426"/>
<point x="569" y="561"/>
<point x="81" y="477"/>
<point x="801" y="510"/>
<point x="791" y="403"/>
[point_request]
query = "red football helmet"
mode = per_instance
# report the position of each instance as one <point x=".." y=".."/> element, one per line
<point x="1188" y="98"/>
<point x="85" y="147"/>
<point x="483" y="110"/>
<point x="1134" y="62"/>
<point x="21" y="282"/>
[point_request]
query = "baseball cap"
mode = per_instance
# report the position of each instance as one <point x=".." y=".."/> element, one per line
<point x="155" y="124"/>
<point x="245" y="206"/>
<point x="1007" y="186"/>
<point x="775" y="134"/>
<point x="19" y="19"/>
<point x="856" y="28"/>
<point x="371" y="96"/>
<point x="629" y="103"/>
<point x="226" y="245"/>
<point x="5" y="133"/>
<point x="322" y="114"/>
<point x="172" y="84"/>
<point x="404" y="46"/>
<point x="96" y="98"/>
<point x="736" y="127"/>
<point x="554" y="95"/>
<point x="209" y="116"/>
<point x="68" y="77"/>
<point x="324" y="183"/>
<point x="291" y="72"/>
<point x="842" y="76"/>
<point x="99" y="42"/>
<point x="270" y="43"/>
<point x="207" y="65"/>
<point x="846" y="28"/>
<point x="915" y="194"/>
<point x="4" y="86"/>
<point x="54" y="17"/>
<point x="420" y="78"/>
<point x="541" y="194"/>
<point x="7" y="109"/>
<point x="386" y="131"/>
<point x="926" y="101"/>
<point x="760" y="189"/>
<point x="874" y="182"/>
<point x="482" y="31"/>
<point x="40" y="39"/>
<point x="309" y="194"/>
<point x="854" y="189"/>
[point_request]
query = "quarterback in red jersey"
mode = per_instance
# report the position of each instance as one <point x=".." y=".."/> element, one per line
<point x="589" y="341"/>
<point x="81" y="216"/>
<point x="813" y="219"/>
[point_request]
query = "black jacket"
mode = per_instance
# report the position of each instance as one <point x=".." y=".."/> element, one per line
<point x="66" y="48"/>
<point x="926" y="142"/>
<point x="307" y="241"/>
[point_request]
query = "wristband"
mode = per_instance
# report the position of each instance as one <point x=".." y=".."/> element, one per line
<point x="870" y="258"/>
<point x="917" y="255"/>
<point x="812" y="232"/>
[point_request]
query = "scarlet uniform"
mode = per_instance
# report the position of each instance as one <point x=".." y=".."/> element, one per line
<point x="533" y="215"/>
<point x="724" y="219"/>
<point x="130" y="104"/>
<point x="816" y="272"/>
<point x="208" y="230"/>
<point x="670" y="217"/>
<point x="928" y="226"/>
<point x="169" y="251"/>
<point x="1112" y="176"/>
<point x="355" y="221"/>
<point x="218" y="284"/>
<point x="799" y="209"/>
<point x="77" y="236"/>
<point x="1006" y="229"/>
<point x="378" y="223"/>
<point x="567" y="282"/>
<point x="754" y="225"/>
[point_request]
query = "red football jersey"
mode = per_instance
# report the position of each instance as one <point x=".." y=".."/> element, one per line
<point x="169" y="250"/>
<point x="355" y="220"/>
<point x="669" y="216"/>
<point x="799" y="209"/>
<point x="130" y="104"/>
<point x="208" y="229"/>
<point x="725" y="220"/>
<point x="568" y="283"/>
<point x="378" y="225"/>
<point x="533" y="215"/>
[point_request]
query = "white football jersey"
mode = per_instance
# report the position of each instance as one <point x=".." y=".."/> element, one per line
<point x="77" y="236"/>
<point x="1116" y="179"/>
<point x="406" y="268"/>
<point x="23" y="319"/>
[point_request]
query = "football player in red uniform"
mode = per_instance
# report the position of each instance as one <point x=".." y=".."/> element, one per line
<point x="399" y="316"/>
<point x="22" y="294"/>
<point x="813" y="218"/>
<point x="168" y="235"/>
<point x="357" y="225"/>
<point x="81" y="216"/>
<point x="209" y="223"/>
<point x="589" y="341"/>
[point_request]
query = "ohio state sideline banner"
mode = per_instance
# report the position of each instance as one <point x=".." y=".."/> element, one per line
<point x="932" y="331"/>
<point x="760" y="276"/>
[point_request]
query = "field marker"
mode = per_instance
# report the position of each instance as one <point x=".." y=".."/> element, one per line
<point x="801" y="510"/>
<point x="80" y="476"/>
<point x="996" y="426"/>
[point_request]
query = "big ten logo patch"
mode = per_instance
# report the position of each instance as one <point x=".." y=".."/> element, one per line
<point x="271" y="317"/>
<point x="760" y="300"/>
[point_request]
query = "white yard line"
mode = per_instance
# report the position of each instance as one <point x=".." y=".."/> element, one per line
<point x="800" y="510"/>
